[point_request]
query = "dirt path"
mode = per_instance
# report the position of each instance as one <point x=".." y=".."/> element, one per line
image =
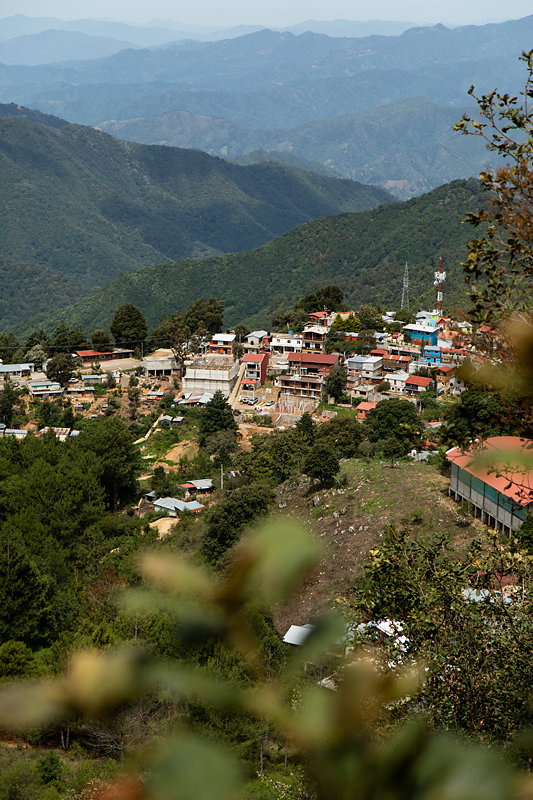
<point x="152" y="429"/>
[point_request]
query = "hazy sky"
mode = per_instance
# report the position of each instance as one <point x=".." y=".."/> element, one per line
<point x="272" y="12"/>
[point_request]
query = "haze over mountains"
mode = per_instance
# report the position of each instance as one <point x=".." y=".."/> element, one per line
<point x="80" y="208"/>
<point x="310" y="95"/>
<point x="163" y="32"/>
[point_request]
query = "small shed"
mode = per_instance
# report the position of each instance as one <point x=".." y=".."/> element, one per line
<point x="172" y="506"/>
<point x="202" y="486"/>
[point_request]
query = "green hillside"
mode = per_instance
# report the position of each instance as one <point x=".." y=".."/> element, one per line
<point x="408" y="146"/>
<point x="364" y="253"/>
<point x="89" y="207"/>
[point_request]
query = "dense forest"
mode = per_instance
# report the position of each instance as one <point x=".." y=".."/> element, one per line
<point x="364" y="253"/>
<point x="87" y="207"/>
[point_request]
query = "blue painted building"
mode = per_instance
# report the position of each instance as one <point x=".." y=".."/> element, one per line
<point x="432" y="355"/>
<point x="422" y="333"/>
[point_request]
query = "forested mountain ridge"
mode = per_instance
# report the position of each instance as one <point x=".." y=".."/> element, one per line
<point x="88" y="207"/>
<point x="56" y="45"/>
<point x="12" y="110"/>
<point x="294" y="93"/>
<point x="407" y="146"/>
<point x="364" y="253"/>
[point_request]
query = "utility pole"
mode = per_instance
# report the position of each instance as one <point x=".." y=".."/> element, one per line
<point x="405" y="288"/>
<point x="222" y="477"/>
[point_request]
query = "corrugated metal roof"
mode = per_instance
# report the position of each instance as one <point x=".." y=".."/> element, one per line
<point x="173" y="504"/>
<point x="297" y="634"/>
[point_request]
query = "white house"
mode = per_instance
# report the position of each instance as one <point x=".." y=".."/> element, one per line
<point x="16" y="370"/>
<point x="363" y="369"/>
<point x="286" y="343"/>
<point x="209" y="374"/>
<point x="255" y="341"/>
<point x="397" y="381"/>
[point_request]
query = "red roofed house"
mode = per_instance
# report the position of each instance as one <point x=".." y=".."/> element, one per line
<point x="443" y="376"/>
<point x="307" y="373"/>
<point x="92" y="356"/>
<point x="363" y="409"/>
<point x="319" y="318"/>
<point x="415" y="384"/>
<point x="493" y="478"/>
<point x="454" y="355"/>
<point x="255" y="370"/>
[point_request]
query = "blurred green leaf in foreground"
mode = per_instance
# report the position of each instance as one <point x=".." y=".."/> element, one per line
<point x="337" y="730"/>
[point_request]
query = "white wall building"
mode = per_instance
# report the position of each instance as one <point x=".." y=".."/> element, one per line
<point x="211" y="373"/>
<point x="286" y="343"/>
<point x="397" y="380"/>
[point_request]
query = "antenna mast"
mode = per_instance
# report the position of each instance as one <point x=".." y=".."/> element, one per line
<point x="440" y="277"/>
<point x="405" y="288"/>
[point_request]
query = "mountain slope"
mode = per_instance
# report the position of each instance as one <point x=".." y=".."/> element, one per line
<point x="89" y="207"/>
<point x="407" y="146"/>
<point x="364" y="253"/>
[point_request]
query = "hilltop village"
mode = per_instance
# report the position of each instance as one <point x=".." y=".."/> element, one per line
<point x="375" y="431"/>
<point x="270" y="380"/>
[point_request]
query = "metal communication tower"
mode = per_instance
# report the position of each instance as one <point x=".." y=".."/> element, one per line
<point x="405" y="288"/>
<point x="440" y="277"/>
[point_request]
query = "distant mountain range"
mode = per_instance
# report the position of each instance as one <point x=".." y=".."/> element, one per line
<point x="378" y="108"/>
<point x="407" y="147"/>
<point x="84" y="207"/>
<point x="19" y="29"/>
<point x="364" y="253"/>
<point x="57" y="45"/>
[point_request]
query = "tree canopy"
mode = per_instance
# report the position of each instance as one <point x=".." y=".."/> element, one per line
<point x="217" y="415"/>
<point x="128" y="326"/>
<point x="397" y="419"/>
<point x="60" y="368"/>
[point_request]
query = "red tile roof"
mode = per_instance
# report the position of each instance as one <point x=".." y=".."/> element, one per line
<point x="365" y="406"/>
<point x="254" y="358"/>
<point x="417" y="380"/>
<point x="396" y="358"/>
<point x="504" y="472"/>
<point x="89" y="353"/>
<point x="313" y="358"/>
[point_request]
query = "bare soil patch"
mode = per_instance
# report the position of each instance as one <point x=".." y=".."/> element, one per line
<point x="185" y="448"/>
<point x="164" y="526"/>
<point x="247" y="429"/>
